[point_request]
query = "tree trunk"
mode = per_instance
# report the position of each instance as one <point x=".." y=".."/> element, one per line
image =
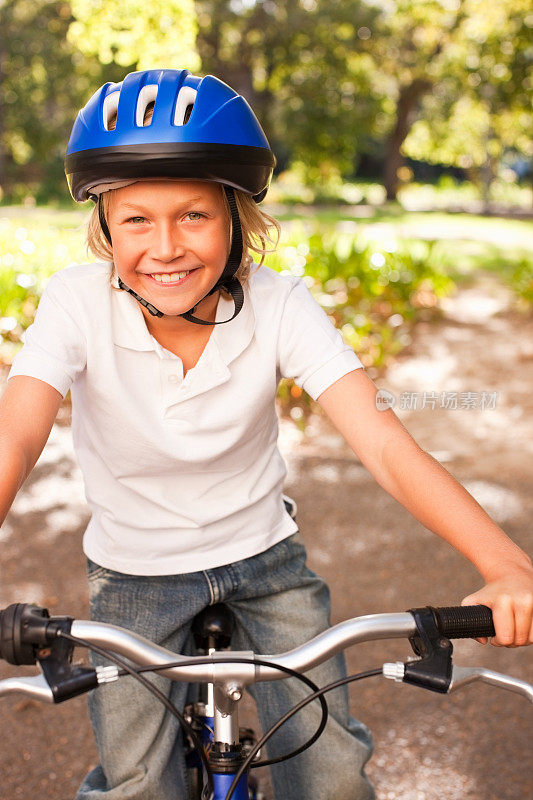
<point x="487" y="176"/>
<point x="531" y="182"/>
<point x="407" y="105"/>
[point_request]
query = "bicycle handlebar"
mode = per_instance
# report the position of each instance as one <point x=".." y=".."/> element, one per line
<point x="28" y="634"/>
<point x="301" y="659"/>
<point x="24" y="628"/>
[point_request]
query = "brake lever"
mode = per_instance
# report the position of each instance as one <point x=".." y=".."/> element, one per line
<point x="34" y="686"/>
<point x="462" y="676"/>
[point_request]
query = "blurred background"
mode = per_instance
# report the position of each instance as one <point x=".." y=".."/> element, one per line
<point x="404" y="188"/>
<point x="402" y="132"/>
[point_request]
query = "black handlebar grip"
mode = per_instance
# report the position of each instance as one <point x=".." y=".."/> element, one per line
<point x="464" y="622"/>
<point x="23" y="629"/>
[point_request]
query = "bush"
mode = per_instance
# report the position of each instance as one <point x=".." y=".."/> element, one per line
<point x="34" y="245"/>
<point x="373" y="295"/>
<point x="322" y="187"/>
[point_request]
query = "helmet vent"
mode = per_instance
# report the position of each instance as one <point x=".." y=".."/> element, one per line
<point x="184" y="105"/>
<point x="110" y="109"/>
<point x="147" y="95"/>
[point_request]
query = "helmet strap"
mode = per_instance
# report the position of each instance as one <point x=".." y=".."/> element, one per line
<point x="101" y="217"/>
<point x="227" y="280"/>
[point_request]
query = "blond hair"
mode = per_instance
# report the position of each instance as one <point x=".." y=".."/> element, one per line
<point x="258" y="231"/>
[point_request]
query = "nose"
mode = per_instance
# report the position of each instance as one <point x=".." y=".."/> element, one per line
<point x="166" y="244"/>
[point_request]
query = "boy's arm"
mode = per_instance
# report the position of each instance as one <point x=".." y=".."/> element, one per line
<point x="28" y="408"/>
<point x="438" y="501"/>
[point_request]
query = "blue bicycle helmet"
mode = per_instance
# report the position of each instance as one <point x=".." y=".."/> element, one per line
<point x="201" y="129"/>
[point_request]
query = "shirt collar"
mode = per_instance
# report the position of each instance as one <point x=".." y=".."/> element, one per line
<point x="130" y="330"/>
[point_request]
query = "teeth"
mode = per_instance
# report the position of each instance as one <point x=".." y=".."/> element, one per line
<point x="173" y="277"/>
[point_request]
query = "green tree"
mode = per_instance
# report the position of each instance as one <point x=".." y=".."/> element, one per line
<point x="330" y="79"/>
<point x="299" y="64"/>
<point x="42" y="80"/>
<point x="53" y="55"/>
<point x="483" y="109"/>
<point x="409" y="45"/>
<point x="160" y="33"/>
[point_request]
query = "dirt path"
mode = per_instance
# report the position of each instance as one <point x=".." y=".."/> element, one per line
<point x="471" y="746"/>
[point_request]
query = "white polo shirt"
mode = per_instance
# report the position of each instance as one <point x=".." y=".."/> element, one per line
<point x="181" y="474"/>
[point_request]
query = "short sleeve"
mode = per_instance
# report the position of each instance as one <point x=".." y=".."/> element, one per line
<point x="54" y="347"/>
<point x="310" y="349"/>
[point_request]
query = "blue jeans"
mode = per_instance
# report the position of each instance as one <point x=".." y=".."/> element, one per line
<point x="278" y="603"/>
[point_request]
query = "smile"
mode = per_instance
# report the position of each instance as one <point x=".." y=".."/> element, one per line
<point x="167" y="278"/>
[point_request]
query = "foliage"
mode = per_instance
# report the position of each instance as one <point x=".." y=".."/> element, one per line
<point x="34" y="245"/>
<point x="521" y="280"/>
<point x="160" y="33"/>
<point x="330" y="81"/>
<point x="54" y="55"/>
<point x="372" y="293"/>
<point x="44" y="81"/>
<point x="453" y="195"/>
<point x="299" y="64"/>
<point x="483" y="108"/>
<point x="374" y="284"/>
<point x="461" y="70"/>
<point x="309" y="186"/>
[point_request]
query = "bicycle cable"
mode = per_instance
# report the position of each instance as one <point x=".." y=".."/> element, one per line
<point x="294" y="710"/>
<point x="255" y="661"/>
<point x="136" y="672"/>
<point x="128" y="670"/>
<point x="318" y="694"/>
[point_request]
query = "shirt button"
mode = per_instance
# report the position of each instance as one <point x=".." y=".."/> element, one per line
<point x="173" y="378"/>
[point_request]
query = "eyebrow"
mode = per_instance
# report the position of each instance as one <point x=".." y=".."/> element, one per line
<point x="140" y="207"/>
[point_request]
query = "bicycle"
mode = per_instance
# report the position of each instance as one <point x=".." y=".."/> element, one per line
<point x="28" y="635"/>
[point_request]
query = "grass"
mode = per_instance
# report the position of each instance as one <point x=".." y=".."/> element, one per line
<point x="466" y="242"/>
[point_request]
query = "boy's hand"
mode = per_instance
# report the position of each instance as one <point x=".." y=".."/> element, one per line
<point x="510" y="596"/>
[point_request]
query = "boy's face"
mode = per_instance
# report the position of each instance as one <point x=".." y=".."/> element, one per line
<point x="161" y="229"/>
